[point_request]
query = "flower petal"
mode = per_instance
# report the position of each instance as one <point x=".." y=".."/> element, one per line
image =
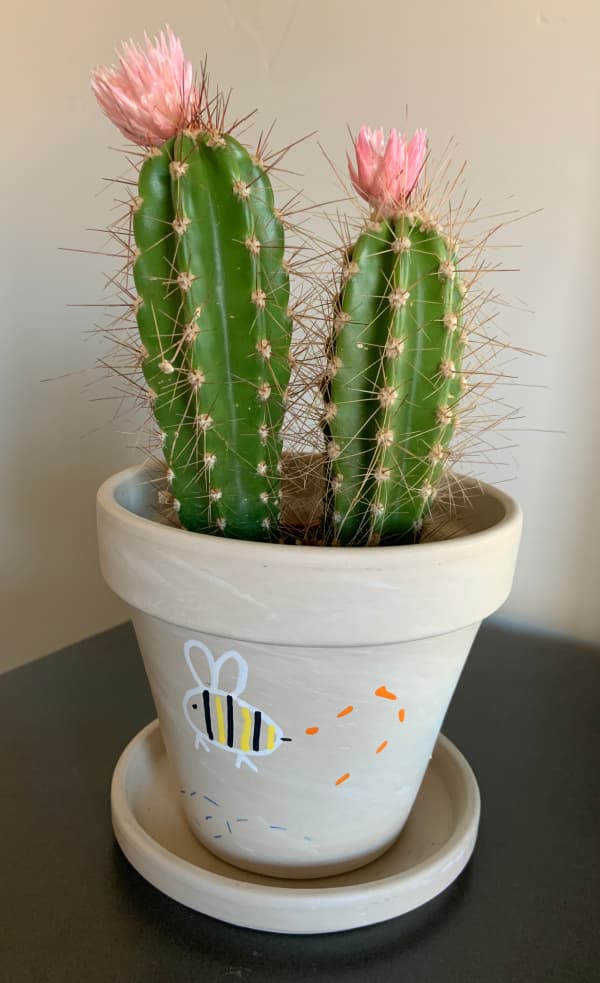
<point x="387" y="172"/>
<point x="151" y="95"/>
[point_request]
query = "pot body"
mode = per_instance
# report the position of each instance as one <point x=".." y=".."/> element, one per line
<point x="297" y="761"/>
<point x="300" y="690"/>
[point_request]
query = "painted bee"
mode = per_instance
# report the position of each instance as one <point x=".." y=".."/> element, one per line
<point x="221" y="718"/>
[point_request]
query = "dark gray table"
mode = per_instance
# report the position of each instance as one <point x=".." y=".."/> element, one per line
<point x="527" y="908"/>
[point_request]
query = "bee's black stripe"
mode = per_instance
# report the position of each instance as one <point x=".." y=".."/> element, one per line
<point x="229" y="720"/>
<point x="256" y="734"/>
<point x="206" y="701"/>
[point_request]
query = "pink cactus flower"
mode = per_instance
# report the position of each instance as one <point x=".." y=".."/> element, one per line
<point x="151" y="96"/>
<point x="387" y="173"/>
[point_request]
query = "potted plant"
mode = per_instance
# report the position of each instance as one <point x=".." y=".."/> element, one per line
<point x="303" y="619"/>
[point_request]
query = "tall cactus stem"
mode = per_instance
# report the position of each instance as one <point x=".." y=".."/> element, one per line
<point x="213" y="320"/>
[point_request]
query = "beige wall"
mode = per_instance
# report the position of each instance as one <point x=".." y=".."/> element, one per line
<point x="516" y="82"/>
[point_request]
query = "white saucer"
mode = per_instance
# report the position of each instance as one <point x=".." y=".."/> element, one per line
<point x="430" y="853"/>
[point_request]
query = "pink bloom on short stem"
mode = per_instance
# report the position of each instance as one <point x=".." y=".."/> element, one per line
<point x="386" y="173"/>
<point x="151" y="96"/>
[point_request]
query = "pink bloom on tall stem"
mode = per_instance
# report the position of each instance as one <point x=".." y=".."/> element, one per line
<point x="151" y="96"/>
<point x="386" y="173"/>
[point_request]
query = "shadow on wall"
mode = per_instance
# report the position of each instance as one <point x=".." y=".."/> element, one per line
<point x="559" y="566"/>
<point x="51" y="591"/>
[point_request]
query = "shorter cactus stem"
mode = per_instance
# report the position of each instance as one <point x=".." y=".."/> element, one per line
<point x="394" y="367"/>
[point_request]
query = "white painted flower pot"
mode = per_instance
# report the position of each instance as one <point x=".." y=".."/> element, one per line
<point x="301" y="690"/>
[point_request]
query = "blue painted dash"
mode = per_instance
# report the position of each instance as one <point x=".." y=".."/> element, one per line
<point x="241" y="820"/>
<point x="228" y="826"/>
<point x="193" y="793"/>
<point x="277" y="827"/>
<point x="209" y="817"/>
<point x="212" y="801"/>
<point x="218" y="836"/>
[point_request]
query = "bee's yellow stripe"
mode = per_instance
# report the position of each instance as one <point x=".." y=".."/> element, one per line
<point x="270" y="737"/>
<point x="245" y="738"/>
<point x="220" y="720"/>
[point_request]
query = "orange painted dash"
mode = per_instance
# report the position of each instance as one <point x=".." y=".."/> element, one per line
<point x="343" y="778"/>
<point x="311" y="730"/>
<point x="385" y="693"/>
<point x="401" y="715"/>
<point x="381" y="747"/>
<point x="345" y="711"/>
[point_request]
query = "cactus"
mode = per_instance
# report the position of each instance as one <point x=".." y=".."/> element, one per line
<point x="393" y="376"/>
<point x="212" y="305"/>
<point x="213" y="314"/>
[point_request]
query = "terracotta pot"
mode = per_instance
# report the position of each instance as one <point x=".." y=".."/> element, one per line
<point x="301" y="690"/>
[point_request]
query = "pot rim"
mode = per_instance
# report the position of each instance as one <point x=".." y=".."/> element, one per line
<point x="328" y="557"/>
<point x="313" y="596"/>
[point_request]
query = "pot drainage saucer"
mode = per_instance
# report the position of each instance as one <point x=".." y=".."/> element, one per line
<point x="433" y="848"/>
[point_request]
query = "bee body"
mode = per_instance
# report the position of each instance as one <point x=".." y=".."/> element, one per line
<point x="221" y="719"/>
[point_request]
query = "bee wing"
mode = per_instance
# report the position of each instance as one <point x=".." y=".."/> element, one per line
<point x="210" y="662"/>
<point x="242" y="675"/>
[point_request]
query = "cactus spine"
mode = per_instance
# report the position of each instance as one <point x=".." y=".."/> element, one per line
<point x="393" y="379"/>
<point x="212" y="312"/>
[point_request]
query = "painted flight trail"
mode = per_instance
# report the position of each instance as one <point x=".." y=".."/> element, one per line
<point x="383" y="693"/>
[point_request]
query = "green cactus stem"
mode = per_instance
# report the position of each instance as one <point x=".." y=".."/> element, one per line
<point x="212" y="312"/>
<point x="393" y="380"/>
